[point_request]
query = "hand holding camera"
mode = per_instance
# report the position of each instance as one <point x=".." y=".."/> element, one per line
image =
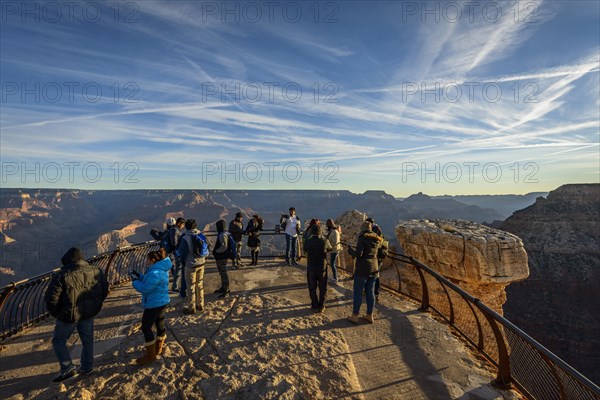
<point x="134" y="275"/>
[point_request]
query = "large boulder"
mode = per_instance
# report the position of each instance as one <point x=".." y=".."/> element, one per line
<point x="480" y="259"/>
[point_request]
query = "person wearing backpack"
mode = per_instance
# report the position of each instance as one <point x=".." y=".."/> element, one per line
<point x="366" y="270"/>
<point x="74" y="297"/>
<point x="170" y="242"/>
<point x="381" y="255"/>
<point x="224" y="250"/>
<point x="291" y="227"/>
<point x="316" y="248"/>
<point x="255" y="225"/>
<point x="154" y="287"/>
<point x="193" y="251"/>
<point x="236" y="228"/>
<point x="335" y="238"/>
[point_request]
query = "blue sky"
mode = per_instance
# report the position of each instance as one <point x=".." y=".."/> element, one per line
<point x="438" y="97"/>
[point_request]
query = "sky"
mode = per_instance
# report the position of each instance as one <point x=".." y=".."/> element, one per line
<point x="439" y="97"/>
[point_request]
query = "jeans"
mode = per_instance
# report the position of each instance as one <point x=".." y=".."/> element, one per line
<point x="363" y="284"/>
<point x="238" y="250"/>
<point x="62" y="333"/>
<point x="176" y="271"/>
<point x="222" y="268"/>
<point x="317" y="278"/>
<point x="153" y="316"/>
<point x="290" y="247"/>
<point x="332" y="261"/>
<point x="183" y="288"/>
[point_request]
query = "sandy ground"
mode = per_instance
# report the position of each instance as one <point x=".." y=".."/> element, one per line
<point x="263" y="342"/>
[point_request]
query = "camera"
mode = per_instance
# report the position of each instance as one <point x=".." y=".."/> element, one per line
<point x="284" y="217"/>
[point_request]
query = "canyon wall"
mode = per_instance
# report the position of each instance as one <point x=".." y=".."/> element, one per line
<point x="558" y="305"/>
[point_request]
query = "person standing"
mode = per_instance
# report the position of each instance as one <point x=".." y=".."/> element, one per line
<point x="381" y="255"/>
<point x="193" y="251"/>
<point x="291" y="229"/>
<point x="170" y="242"/>
<point x="74" y="297"/>
<point x="316" y="248"/>
<point x="236" y="228"/>
<point x="154" y="287"/>
<point x="366" y="270"/>
<point x="335" y="239"/>
<point x="224" y="250"/>
<point x="255" y="225"/>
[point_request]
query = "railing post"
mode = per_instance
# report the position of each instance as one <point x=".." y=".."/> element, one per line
<point x="425" y="289"/>
<point x="110" y="261"/>
<point x="503" y="377"/>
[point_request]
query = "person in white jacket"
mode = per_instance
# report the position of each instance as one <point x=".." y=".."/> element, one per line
<point x="335" y="238"/>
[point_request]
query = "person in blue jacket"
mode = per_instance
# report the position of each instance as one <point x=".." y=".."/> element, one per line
<point x="154" y="287"/>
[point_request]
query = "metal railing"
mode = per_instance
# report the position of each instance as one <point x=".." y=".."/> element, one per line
<point x="519" y="359"/>
<point x="22" y="303"/>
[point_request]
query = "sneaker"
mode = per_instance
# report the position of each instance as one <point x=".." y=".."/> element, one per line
<point x="368" y="318"/>
<point x="225" y="293"/>
<point x="67" y="375"/>
<point x="353" y="318"/>
<point x="82" y="372"/>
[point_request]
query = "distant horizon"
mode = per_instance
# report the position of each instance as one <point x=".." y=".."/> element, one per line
<point x="283" y="190"/>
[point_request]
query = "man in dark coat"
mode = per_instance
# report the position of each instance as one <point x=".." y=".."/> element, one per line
<point x="236" y="228"/>
<point x="316" y="248"/>
<point x="366" y="270"/>
<point x="74" y="297"/>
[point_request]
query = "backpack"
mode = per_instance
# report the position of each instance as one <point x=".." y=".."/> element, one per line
<point x="200" y="245"/>
<point x="165" y="241"/>
<point x="229" y="248"/>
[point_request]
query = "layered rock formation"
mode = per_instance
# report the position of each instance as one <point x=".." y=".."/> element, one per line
<point x="558" y="305"/>
<point x="481" y="260"/>
<point x="111" y="240"/>
<point x="350" y="222"/>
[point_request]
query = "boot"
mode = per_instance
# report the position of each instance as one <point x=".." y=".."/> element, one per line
<point x="369" y="318"/>
<point x="219" y="290"/>
<point x="160" y="341"/>
<point x="256" y="258"/>
<point x="150" y="354"/>
<point x="353" y="318"/>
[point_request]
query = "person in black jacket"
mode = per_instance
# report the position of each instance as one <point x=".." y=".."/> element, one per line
<point x="222" y="252"/>
<point x="366" y="270"/>
<point x="236" y="228"/>
<point x="74" y="297"/>
<point x="316" y="248"/>
<point x="255" y="225"/>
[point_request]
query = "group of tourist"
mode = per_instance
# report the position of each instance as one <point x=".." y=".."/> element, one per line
<point x="76" y="293"/>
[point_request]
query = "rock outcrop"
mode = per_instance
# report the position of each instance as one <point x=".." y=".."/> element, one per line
<point x="350" y="222"/>
<point x="481" y="260"/>
<point x="111" y="240"/>
<point x="558" y="305"/>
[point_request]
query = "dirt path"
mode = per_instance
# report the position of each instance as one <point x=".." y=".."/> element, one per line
<point x="263" y="342"/>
